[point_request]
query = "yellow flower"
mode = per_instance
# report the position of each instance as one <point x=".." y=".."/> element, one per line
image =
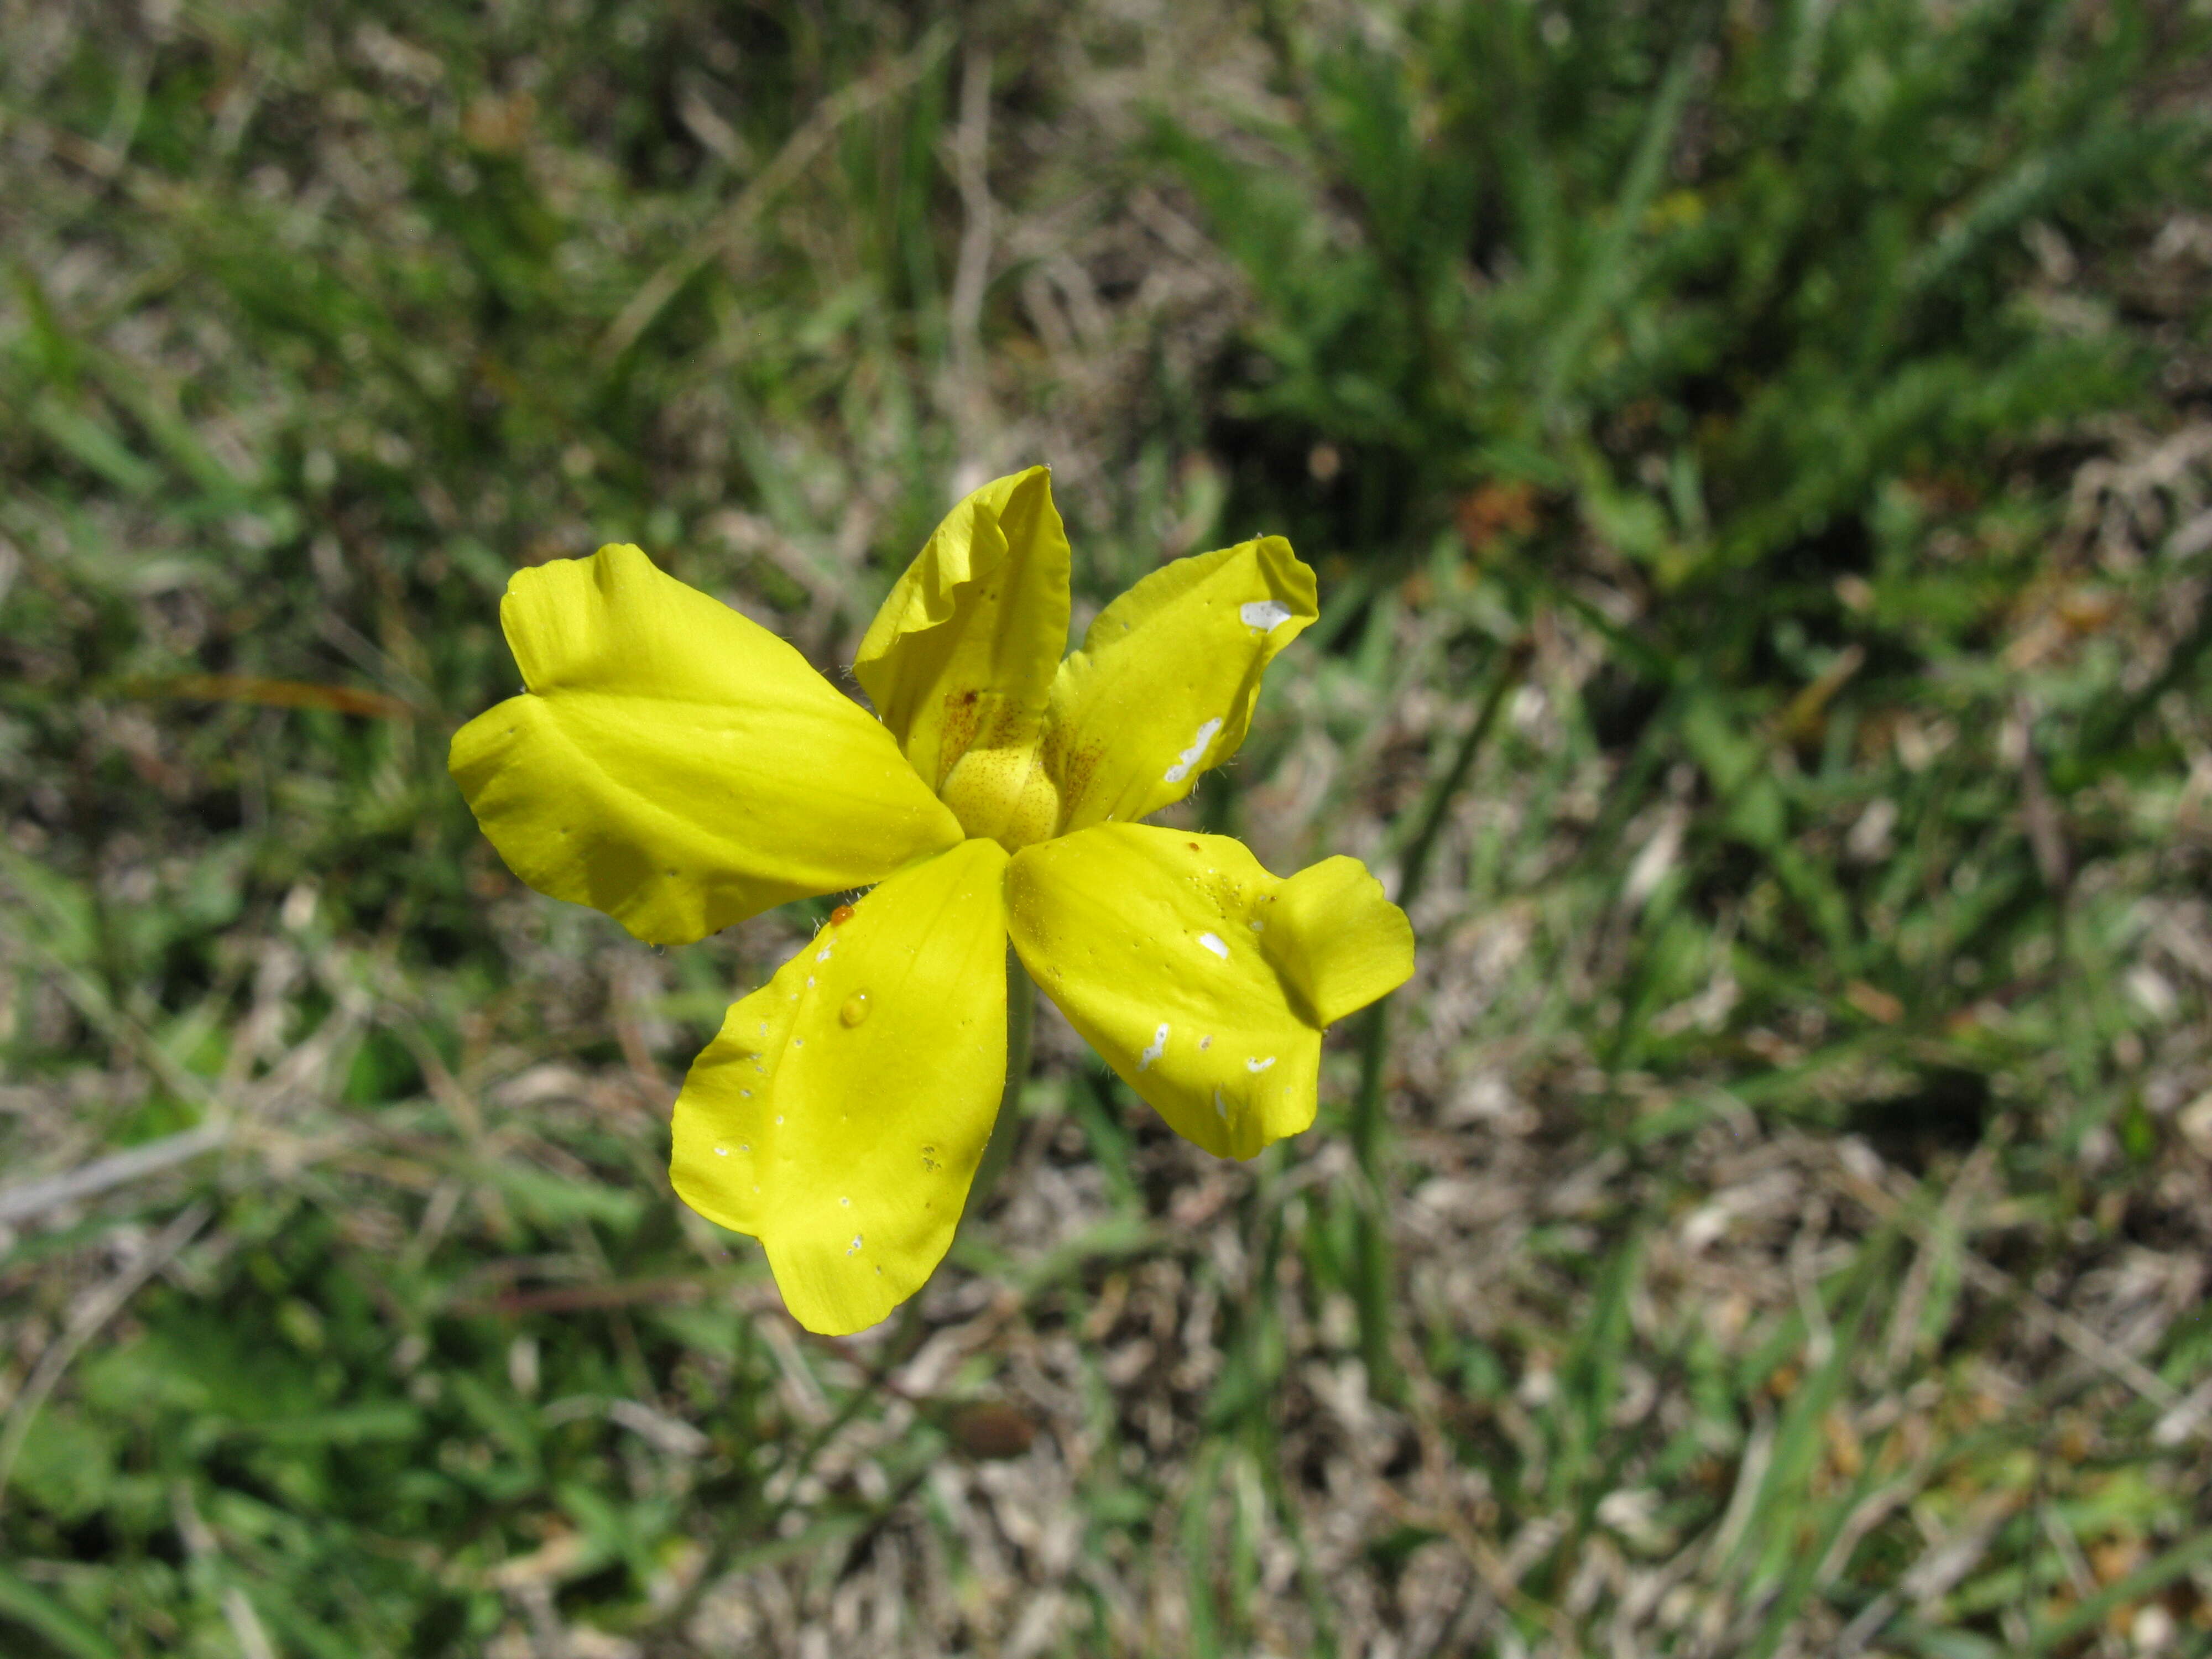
<point x="681" y="768"/>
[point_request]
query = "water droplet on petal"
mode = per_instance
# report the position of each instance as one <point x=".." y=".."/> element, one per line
<point x="855" y="1009"/>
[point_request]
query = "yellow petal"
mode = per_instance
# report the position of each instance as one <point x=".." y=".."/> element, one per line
<point x="674" y="763"/>
<point x="839" y="1116"/>
<point x="1163" y="686"/>
<point x="1338" y="942"/>
<point x="1188" y="966"/>
<point x="960" y="658"/>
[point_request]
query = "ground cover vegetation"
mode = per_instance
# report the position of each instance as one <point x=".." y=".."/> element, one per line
<point x="1759" y="464"/>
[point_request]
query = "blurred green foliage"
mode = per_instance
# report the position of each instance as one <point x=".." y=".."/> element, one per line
<point x="1740" y="363"/>
<point x="1757" y="325"/>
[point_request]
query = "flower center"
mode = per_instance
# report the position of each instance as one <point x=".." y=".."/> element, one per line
<point x="1004" y="795"/>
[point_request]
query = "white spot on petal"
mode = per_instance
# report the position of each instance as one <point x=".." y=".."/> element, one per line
<point x="721" y="1151"/>
<point x="847" y="1202"/>
<point x="1159" y="1047"/>
<point x="819" y="955"/>
<point x="1255" y="1064"/>
<point x="1204" y="1043"/>
<point x="1214" y="943"/>
<point x="1265" y="615"/>
<point x="854" y="1245"/>
<point x="1191" y="757"/>
<point x="1220" y="1106"/>
<point x="809" y="982"/>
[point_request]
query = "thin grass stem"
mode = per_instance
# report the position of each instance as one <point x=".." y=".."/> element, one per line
<point x="1372" y="1238"/>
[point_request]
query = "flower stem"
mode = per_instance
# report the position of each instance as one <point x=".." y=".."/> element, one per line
<point x="1006" y="1128"/>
